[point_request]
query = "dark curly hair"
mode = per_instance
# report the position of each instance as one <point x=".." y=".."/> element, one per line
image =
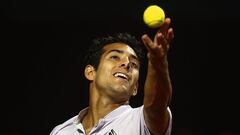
<point x="95" y="50"/>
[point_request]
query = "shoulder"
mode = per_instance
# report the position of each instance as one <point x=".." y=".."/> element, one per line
<point x="67" y="127"/>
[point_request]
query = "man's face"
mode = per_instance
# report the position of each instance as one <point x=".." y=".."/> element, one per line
<point x="118" y="71"/>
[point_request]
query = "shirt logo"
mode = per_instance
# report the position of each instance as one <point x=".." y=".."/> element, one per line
<point x="112" y="132"/>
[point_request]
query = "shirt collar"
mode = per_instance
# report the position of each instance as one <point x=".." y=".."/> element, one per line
<point x="82" y="114"/>
<point x="113" y="114"/>
<point x="116" y="112"/>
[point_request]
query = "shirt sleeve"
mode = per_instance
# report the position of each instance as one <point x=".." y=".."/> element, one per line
<point x="169" y="130"/>
<point x="144" y="129"/>
<point x="67" y="128"/>
<point x="55" y="130"/>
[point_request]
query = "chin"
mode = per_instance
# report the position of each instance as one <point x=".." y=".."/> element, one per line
<point x="124" y="92"/>
<point x="121" y="89"/>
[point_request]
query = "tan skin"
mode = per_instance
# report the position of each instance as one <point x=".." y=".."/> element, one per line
<point x="108" y="92"/>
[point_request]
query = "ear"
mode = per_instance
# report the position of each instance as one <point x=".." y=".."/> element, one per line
<point x="89" y="72"/>
<point x="135" y="89"/>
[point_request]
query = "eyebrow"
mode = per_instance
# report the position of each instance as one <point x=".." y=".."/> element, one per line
<point x="121" y="51"/>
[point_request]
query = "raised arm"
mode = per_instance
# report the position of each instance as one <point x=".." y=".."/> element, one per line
<point x="158" y="88"/>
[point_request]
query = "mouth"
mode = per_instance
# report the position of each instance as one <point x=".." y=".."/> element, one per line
<point x="121" y="75"/>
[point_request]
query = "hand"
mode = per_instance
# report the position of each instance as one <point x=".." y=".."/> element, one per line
<point x="158" y="48"/>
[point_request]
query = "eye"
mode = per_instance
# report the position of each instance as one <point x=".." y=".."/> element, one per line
<point x="114" y="57"/>
<point x="135" y="65"/>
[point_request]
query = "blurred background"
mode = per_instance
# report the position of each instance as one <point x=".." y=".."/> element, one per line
<point x="43" y="42"/>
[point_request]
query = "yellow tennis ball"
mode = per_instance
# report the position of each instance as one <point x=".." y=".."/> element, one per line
<point x="154" y="16"/>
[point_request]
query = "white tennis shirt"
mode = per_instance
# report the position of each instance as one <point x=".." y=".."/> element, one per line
<point x="124" y="120"/>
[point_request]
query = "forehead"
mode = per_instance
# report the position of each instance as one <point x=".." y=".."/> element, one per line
<point x="119" y="46"/>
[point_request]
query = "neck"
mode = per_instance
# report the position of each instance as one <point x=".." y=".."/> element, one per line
<point x="99" y="107"/>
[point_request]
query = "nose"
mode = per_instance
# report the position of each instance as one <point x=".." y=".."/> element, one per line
<point x="125" y="63"/>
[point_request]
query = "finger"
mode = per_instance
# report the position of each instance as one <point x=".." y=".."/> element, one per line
<point x="158" y="37"/>
<point x="148" y="43"/>
<point x="170" y="35"/>
<point x="162" y="42"/>
<point x="164" y="28"/>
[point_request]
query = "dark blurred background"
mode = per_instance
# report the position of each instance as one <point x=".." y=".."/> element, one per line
<point x="43" y="42"/>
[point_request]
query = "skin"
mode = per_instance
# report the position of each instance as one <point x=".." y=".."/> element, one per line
<point x="108" y="92"/>
<point x="158" y="83"/>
